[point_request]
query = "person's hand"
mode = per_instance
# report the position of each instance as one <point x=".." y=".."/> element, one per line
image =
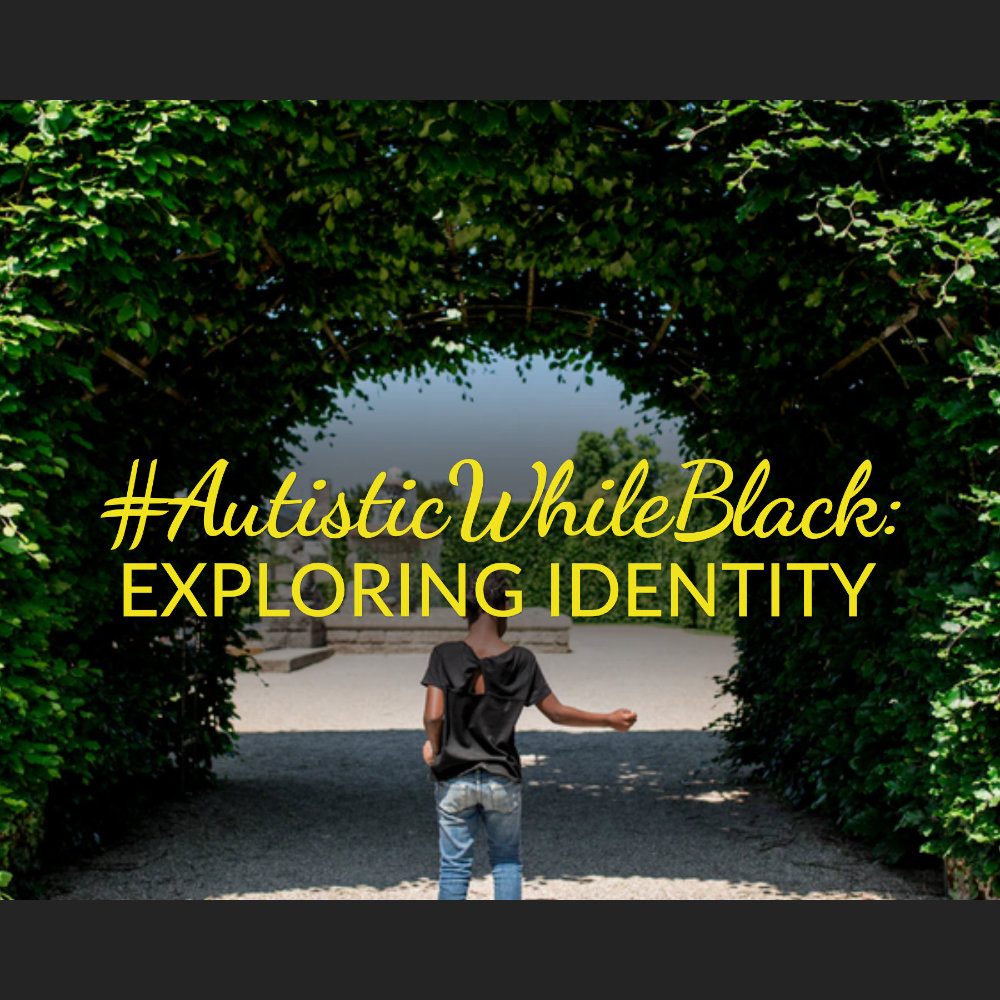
<point x="622" y="719"/>
<point x="428" y="753"/>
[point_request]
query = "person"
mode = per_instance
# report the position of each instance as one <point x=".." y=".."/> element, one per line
<point x="476" y="689"/>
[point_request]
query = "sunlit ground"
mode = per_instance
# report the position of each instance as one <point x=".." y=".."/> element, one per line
<point x="329" y="798"/>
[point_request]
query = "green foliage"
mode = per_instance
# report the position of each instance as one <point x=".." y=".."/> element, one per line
<point x="599" y="458"/>
<point x="887" y="722"/>
<point x="96" y="709"/>
<point x="439" y="489"/>
<point x="814" y="282"/>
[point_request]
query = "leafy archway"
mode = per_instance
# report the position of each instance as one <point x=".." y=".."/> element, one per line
<point x="811" y="282"/>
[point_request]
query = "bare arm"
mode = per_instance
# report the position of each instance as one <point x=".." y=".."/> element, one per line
<point x="622" y="719"/>
<point x="433" y="722"/>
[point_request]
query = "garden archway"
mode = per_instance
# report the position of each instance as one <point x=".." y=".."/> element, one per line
<point x="810" y="280"/>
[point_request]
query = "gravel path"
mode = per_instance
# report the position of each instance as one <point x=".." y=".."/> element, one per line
<point x="328" y="798"/>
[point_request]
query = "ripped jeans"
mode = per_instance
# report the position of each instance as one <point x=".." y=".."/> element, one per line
<point x="462" y="804"/>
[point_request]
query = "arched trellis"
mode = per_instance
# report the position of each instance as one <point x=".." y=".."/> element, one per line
<point x="712" y="255"/>
<point x="506" y="319"/>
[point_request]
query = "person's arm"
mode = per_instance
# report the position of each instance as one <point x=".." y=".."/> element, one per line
<point x="621" y="719"/>
<point x="433" y="722"/>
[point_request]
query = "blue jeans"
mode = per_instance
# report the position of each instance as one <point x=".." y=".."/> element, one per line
<point x="462" y="803"/>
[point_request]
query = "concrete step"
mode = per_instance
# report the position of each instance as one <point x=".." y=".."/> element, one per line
<point x="292" y="658"/>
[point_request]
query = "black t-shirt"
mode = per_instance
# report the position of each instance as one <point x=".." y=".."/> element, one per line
<point x="478" y="730"/>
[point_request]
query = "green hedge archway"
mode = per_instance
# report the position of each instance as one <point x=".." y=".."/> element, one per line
<point x="811" y="281"/>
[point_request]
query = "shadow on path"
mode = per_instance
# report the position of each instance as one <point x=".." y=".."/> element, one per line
<point x="317" y="811"/>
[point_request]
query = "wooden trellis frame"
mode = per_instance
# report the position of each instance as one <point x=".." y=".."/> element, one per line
<point x="530" y="309"/>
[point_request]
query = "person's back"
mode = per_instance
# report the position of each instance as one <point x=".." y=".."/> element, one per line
<point x="476" y="690"/>
<point x="483" y="697"/>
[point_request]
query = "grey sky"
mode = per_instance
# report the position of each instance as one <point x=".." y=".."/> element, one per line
<point x="505" y="424"/>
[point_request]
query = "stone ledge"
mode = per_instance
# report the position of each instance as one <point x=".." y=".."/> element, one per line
<point x="376" y="633"/>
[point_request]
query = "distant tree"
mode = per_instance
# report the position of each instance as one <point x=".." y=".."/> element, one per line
<point x="358" y="491"/>
<point x="592" y="460"/>
<point x="599" y="458"/>
<point x="441" y="489"/>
